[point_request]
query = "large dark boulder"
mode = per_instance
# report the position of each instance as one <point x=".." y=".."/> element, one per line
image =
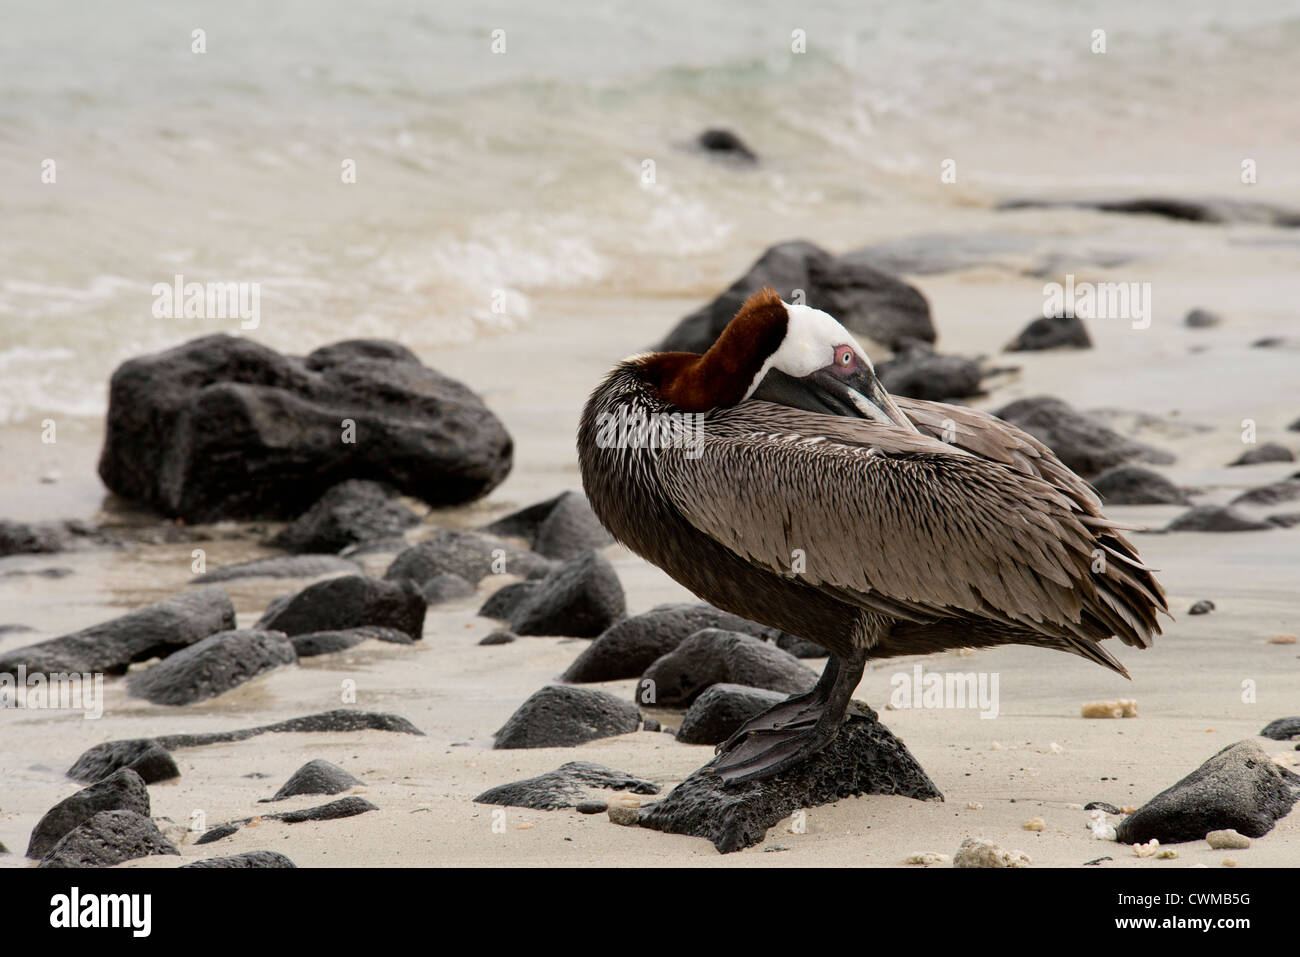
<point x="350" y="513"/>
<point x="1239" y="788"/>
<point x="110" y="647"/>
<point x="147" y="757"/>
<point x="1080" y="441"/>
<point x="714" y="656"/>
<point x="225" y="428"/>
<point x="864" y="758"/>
<point x="560" y="717"/>
<point x="351" y="601"/>
<point x="212" y="667"/>
<point x="109" y="838"/>
<point x="123" y="790"/>
<point x="862" y="297"/>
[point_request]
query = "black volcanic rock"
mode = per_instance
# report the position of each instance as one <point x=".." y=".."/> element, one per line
<point x="561" y="527"/>
<point x="1268" y="452"/>
<point x="501" y="604"/>
<point x="630" y="646"/>
<point x="1202" y="607"/>
<point x="327" y="642"/>
<point x="351" y="601"/>
<point x="317" y="777"/>
<point x="155" y="630"/>
<point x="1051" y="332"/>
<point x="243" y="861"/>
<point x="918" y="372"/>
<point x="1283" y="729"/>
<point x="212" y="666"/>
<point x="721" y="709"/>
<point x="563" y="787"/>
<point x="109" y="838"/>
<point x="123" y="790"/>
<point x="1239" y="788"/>
<point x="1215" y="518"/>
<point x="445" y="587"/>
<point x="147" y="757"/>
<point x="1135" y="485"/>
<point x="1174" y="207"/>
<point x="580" y="598"/>
<point x="350" y="513"/>
<point x="863" y="298"/>
<point x="1080" y="441"/>
<point x="864" y="758"/>
<point x="471" y="555"/>
<point x="225" y="428"/>
<point x="1202" y="319"/>
<point x="726" y="144"/>
<point x="558" y="716"/>
<point x="714" y="656"/>
<point x="1275" y="493"/>
<point x="44" y="538"/>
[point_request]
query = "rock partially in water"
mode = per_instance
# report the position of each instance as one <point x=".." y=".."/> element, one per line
<point x="110" y="647"/>
<point x="864" y="758"/>
<point x="212" y="667"/>
<point x="558" y="716"/>
<point x="1239" y="788"/>
<point x="726" y="145"/>
<point x="564" y="787"/>
<point x="1215" y="518"/>
<point x="562" y="527"/>
<point x="123" y="790"/>
<point x="580" y="598"/>
<point x="862" y="297"/>
<point x="714" y="656"/>
<point x="351" y="601"/>
<point x="1135" y="485"/>
<point x="1051" y="332"/>
<point x="318" y="777"/>
<point x="350" y="513"/>
<point x="282" y="566"/>
<point x="242" y="861"/>
<point x="1180" y="208"/>
<point x="1081" y="442"/>
<point x="225" y="428"/>
<point x="109" y="838"/>
<point x="721" y="709"/>
<point x="471" y="555"/>
<point x="1268" y="452"/>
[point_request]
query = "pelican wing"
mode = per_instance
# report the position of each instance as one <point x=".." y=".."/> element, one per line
<point x="886" y="518"/>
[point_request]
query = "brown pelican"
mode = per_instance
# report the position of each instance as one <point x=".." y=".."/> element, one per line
<point x="775" y="477"/>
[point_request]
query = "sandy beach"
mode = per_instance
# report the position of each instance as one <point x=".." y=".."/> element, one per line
<point x="583" y="297"/>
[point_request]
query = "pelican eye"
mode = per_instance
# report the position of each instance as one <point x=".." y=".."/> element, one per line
<point x="845" y="357"/>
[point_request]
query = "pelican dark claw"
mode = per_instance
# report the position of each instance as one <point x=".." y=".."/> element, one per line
<point x="775" y="477"/>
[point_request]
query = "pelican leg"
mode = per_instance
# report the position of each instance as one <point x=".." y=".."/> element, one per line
<point x="796" y="711"/>
<point x="766" y="751"/>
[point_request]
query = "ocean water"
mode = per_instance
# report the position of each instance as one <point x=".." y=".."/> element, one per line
<point x="485" y="178"/>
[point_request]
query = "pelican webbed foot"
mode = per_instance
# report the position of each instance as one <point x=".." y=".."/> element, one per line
<point x="791" y="732"/>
